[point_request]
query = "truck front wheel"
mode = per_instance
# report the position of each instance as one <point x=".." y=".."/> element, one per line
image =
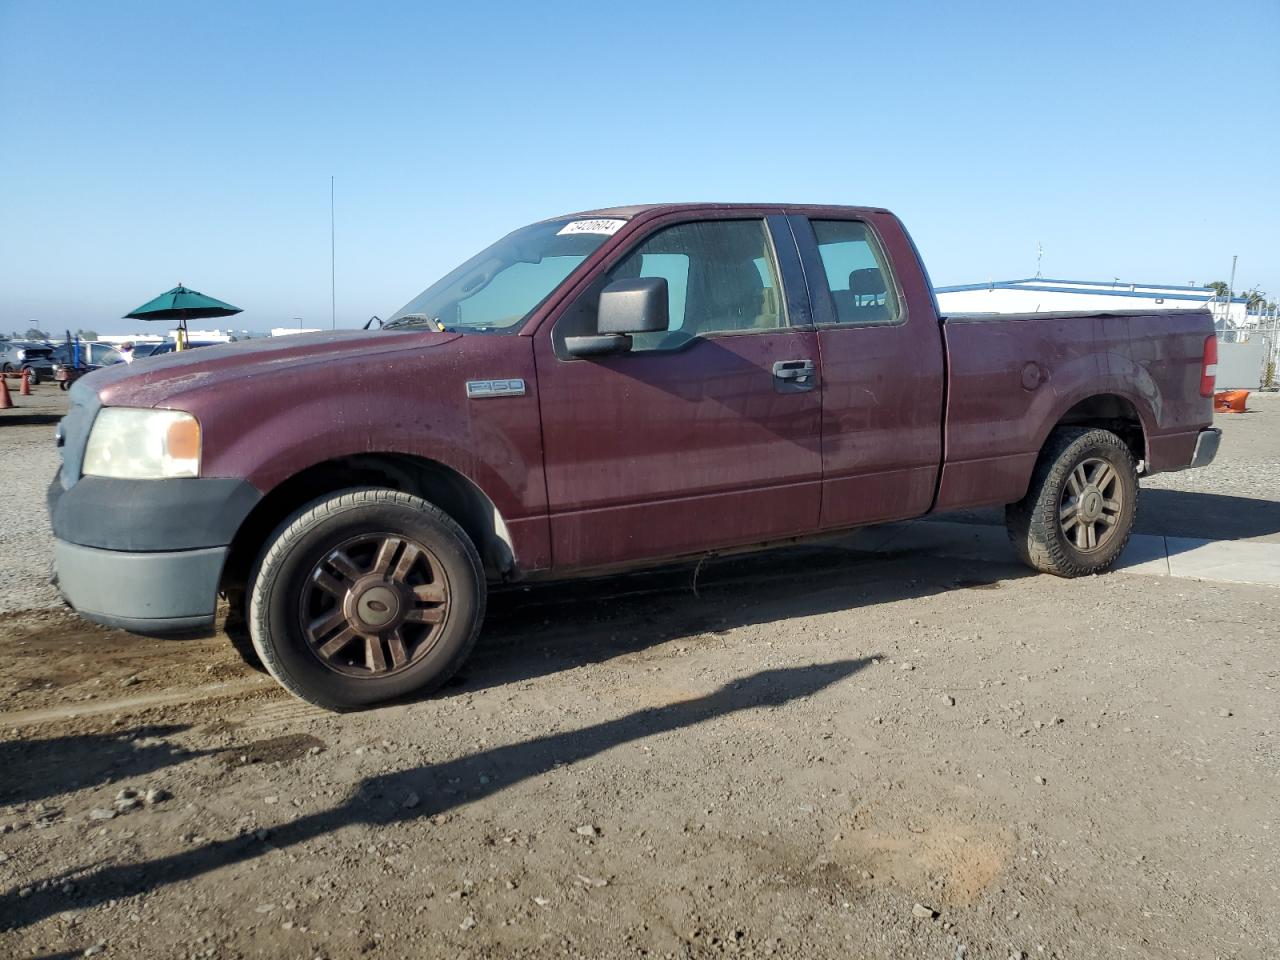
<point x="365" y="596"/>
<point x="1079" y="509"/>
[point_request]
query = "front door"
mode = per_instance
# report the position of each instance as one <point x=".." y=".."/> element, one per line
<point x="702" y="436"/>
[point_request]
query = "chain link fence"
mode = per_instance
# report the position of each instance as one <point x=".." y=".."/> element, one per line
<point x="1266" y="335"/>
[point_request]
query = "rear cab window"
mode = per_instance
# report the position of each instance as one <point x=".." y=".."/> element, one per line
<point x="858" y="278"/>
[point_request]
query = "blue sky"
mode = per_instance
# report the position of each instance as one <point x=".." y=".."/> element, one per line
<point x="146" y="143"/>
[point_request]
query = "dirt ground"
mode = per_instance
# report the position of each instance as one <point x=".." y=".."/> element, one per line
<point x="808" y="753"/>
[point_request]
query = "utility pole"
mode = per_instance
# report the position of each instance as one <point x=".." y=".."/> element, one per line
<point x="1231" y="288"/>
<point x="1269" y="370"/>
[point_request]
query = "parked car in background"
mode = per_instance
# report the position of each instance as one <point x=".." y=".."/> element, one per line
<point x="30" y="355"/>
<point x="92" y="353"/>
<point x="599" y="392"/>
<point x="72" y="361"/>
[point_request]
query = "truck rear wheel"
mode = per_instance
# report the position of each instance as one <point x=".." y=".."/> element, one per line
<point x="365" y="596"/>
<point x="1079" y="510"/>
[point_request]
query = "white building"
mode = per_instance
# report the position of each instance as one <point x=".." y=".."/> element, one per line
<point x="1038" y="295"/>
<point x="204" y="336"/>
<point x="119" y="338"/>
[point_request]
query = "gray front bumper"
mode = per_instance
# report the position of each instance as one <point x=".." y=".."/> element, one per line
<point x="155" y="594"/>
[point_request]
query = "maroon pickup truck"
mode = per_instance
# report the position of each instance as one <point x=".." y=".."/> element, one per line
<point x="593" y="392"/>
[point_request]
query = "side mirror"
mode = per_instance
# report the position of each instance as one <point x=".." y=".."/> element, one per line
<point x="639" y="305"/>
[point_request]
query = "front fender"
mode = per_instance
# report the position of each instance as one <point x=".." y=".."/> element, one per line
<point x="413" y="403"/>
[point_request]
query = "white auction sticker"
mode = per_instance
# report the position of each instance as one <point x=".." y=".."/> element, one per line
<point x="607" y="227"/>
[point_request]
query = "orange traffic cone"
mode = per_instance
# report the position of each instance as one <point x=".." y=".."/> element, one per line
<point x="6" y="401"/>
<point x="26" y="382"/>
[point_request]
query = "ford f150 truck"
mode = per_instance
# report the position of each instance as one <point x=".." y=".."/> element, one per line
<point x="594" y="392"/>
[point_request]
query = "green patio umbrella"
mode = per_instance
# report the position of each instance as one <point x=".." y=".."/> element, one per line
<point x="181" y="305"/>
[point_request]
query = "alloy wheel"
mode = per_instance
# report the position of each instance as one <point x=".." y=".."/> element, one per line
<point x="374" y="605"/>
<point x="1091" y="506"/>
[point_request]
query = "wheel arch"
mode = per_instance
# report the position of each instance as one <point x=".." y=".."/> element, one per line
<point x="1108" y="411"/>
<point x="459" y="497"/>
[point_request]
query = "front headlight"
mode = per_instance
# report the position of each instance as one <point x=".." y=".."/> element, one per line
<point x="143" y="444"/>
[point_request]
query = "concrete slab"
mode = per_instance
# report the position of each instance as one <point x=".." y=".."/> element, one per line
<point x="1227" y="561"/>
<point x="1145" y="554"/>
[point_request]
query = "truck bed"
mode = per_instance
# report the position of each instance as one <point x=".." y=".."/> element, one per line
<point x="1011" y="380"/>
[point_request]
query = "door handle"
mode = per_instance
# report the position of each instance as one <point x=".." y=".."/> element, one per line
<point x="793" y="376"/>
<point x="799" y="370"/>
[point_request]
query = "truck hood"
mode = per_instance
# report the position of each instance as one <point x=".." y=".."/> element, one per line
<point x="151" y="382"/>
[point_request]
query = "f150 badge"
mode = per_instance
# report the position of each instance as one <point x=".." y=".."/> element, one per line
<point x="477" y="389"/>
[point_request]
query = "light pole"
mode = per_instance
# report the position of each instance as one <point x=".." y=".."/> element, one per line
<point x="1231" y="287"/>
<point x="333" y="264"/>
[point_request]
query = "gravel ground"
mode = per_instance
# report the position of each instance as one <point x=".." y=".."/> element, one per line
<point x="815" y="754"/>
<point x="28" y="460"/>
<point x="1248" y="463"/>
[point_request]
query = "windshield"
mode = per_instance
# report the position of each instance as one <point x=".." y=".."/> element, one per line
<point x="499" y="287"/>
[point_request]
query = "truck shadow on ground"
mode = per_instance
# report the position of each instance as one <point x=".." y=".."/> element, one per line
<point x="382" y="801"/>
<point x="1206" y="516"/>
<point x="543" y="629"/>
<point x="1178" y="513"/>
<point x="61" y="764"/>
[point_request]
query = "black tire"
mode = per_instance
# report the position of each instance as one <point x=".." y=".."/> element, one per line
<point x="288" y="577"/>
<point x="33" y="376"/>
<point x="1047" y="525"/>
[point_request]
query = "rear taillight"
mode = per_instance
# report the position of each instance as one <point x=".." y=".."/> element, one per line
<point x="1209" y="367"/>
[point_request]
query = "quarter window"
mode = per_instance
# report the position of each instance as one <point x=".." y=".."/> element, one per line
<point x="857" y="273"/>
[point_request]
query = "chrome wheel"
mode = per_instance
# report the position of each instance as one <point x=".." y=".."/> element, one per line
<point x="1091" y="506"/>
<point x="374" y="605"/>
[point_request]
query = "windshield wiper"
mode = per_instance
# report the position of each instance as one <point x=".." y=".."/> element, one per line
<point x="418" y="319"/>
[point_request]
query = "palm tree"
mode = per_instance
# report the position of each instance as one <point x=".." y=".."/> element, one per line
<point x="1219" y="288"/>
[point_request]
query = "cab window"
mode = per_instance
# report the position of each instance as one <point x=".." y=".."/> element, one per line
<point x="721" y="274"/>
<point x="861" y="286"/>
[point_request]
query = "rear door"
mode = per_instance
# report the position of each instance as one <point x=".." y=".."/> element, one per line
<point x="882" y="363"/>
<point x="703" y="436"/>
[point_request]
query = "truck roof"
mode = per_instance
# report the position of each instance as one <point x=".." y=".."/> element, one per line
<point x="634" y="210"/>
